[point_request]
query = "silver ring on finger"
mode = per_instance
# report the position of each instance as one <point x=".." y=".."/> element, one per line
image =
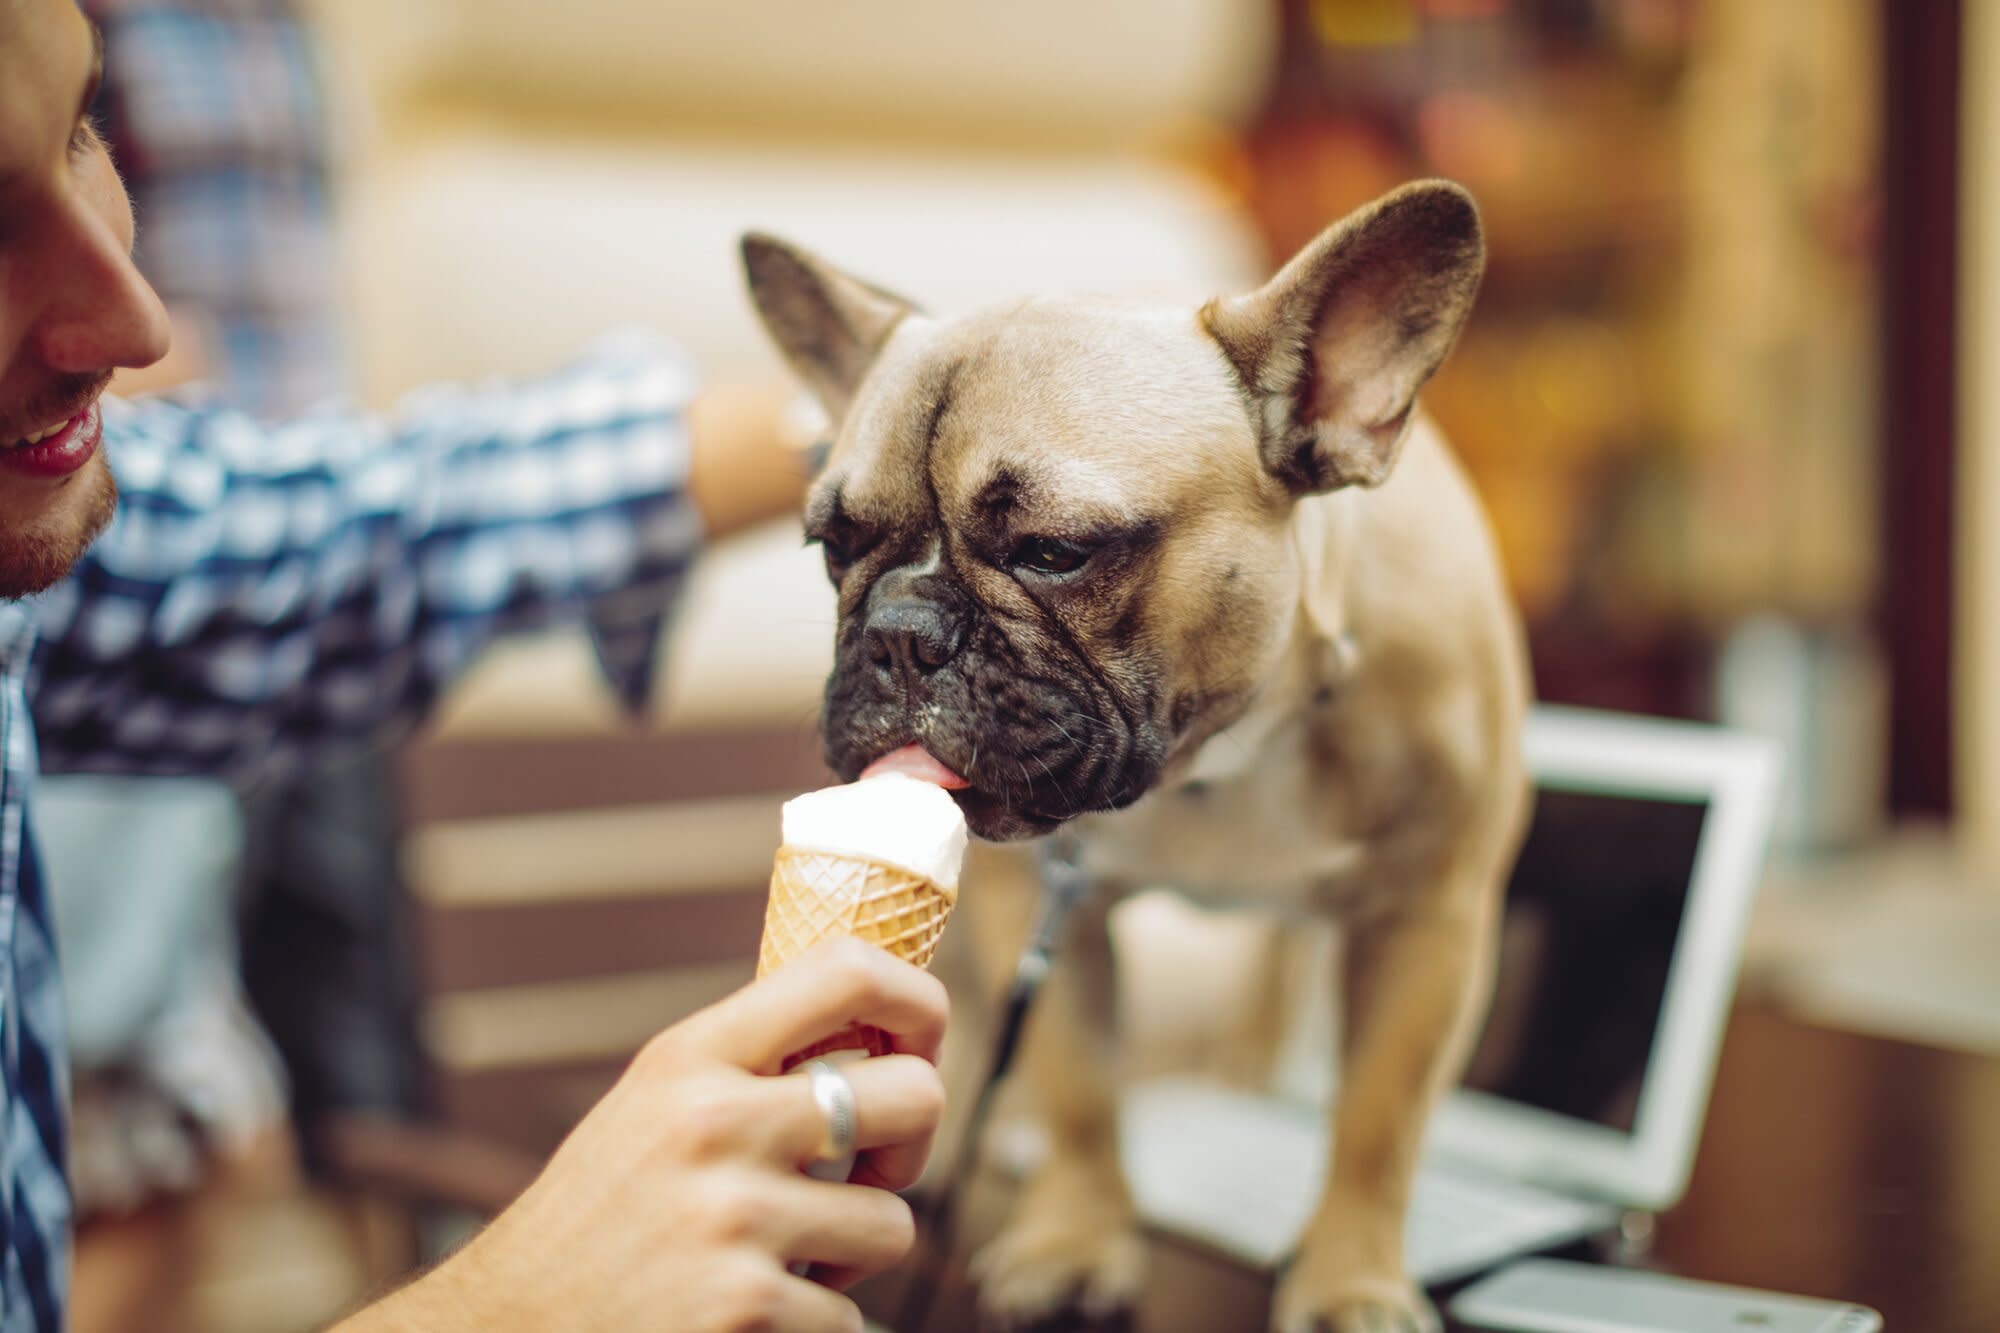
<point x="834" y="1095"/>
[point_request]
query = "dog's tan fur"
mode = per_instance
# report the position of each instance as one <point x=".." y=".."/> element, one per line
<point x="1345" y="672"/>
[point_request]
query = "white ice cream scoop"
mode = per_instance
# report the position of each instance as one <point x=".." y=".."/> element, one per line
<point x="890" y="817"/>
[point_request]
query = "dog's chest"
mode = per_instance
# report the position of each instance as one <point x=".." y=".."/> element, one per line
<point x="1273" y="833"/>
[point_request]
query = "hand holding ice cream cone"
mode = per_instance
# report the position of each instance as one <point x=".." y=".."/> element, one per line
<point x="876" y="860"/>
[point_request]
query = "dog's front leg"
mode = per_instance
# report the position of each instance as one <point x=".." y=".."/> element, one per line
<point x="1072" y="1242"/>
<point x="1415" y="980"/>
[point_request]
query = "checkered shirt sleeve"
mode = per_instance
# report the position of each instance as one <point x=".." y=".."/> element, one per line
<point x="268" y="590"/>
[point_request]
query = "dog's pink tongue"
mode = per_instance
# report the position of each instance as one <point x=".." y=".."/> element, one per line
<point x="916" y="762"/>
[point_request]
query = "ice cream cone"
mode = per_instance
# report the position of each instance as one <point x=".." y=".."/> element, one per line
<point x="818" y="896"/>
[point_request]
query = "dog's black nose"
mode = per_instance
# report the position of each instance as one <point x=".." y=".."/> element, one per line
<point x="913" y="634"/>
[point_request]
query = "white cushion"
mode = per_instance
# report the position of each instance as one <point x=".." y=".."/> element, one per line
<point x="1026" y="70"/>
<point x="477" y="252"/>
<point x="751" y="649"/>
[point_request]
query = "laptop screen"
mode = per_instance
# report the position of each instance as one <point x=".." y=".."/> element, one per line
<point x="1593" y="911"/>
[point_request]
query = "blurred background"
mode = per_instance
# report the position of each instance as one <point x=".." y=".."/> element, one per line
<point x="1727" y="395"/>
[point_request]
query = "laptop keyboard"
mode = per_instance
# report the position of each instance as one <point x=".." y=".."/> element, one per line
<point x="1459" y="1222"/>
<point x="1242" y="1173"/>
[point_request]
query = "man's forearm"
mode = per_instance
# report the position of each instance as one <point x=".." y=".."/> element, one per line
<point x="750" y="456"/>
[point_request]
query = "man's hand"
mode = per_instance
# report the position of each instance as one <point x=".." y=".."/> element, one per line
<point x="679" y="1201"/>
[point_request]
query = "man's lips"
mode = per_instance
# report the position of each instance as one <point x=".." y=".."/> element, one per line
<point x="916" y="762"/>
<point x="59" y="454"/>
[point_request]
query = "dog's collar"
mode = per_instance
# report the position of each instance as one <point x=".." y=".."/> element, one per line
<point x="1334" y="664"/>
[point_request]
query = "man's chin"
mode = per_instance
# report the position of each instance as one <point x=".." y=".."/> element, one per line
<point x="38" y="554"/>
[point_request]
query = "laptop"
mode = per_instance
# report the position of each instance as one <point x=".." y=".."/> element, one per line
<point x="1584" y="1097"/>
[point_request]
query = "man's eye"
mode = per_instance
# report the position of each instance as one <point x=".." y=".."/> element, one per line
<point x="84" y="137"/>
<point x="1048" y="555"/>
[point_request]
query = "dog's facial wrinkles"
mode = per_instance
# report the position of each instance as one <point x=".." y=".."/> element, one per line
<point x="1043" y="579"/>
<point x="998" y="687"/>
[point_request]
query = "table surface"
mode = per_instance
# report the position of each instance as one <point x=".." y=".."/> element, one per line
<point x="1833" y="1164"/>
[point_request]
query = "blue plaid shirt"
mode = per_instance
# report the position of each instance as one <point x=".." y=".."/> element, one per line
<point x="267" y="591"/>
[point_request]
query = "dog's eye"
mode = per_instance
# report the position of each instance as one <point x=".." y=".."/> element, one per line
<point x="1048" y="555"/>
<point x="839" y="555"/>
<point x="838" y="559"/>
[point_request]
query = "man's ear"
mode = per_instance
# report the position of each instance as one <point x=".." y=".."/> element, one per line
<point x="1335" y="347"/>
<point x="829" y="326"/>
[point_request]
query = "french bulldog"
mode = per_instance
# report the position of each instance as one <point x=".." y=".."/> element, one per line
<point x="1205" y="586"/>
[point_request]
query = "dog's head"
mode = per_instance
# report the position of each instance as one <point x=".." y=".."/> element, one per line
<point x="1058" y="528"/>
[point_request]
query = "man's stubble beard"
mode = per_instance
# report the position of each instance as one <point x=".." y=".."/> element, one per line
<point x="35" y="560"/>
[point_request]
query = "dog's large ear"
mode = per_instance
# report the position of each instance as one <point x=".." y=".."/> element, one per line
<point x="829" y="325"/>
<point x="1335" y="347"/>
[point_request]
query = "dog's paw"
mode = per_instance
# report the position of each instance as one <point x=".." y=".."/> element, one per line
<point x="1037" y="1271"/>
<point x="1374" y="1306"/>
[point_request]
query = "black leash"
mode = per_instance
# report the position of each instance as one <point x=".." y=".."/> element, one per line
<point x="1064" y="885"/>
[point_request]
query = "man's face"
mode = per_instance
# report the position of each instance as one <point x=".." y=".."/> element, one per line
<point x="72" y="306"/>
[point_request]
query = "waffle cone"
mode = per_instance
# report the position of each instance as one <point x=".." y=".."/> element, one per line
<point x="817" y="896"/>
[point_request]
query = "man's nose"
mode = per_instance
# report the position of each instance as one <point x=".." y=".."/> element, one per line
<point x="913" y="635"/>
<point x="102" y="314"/>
